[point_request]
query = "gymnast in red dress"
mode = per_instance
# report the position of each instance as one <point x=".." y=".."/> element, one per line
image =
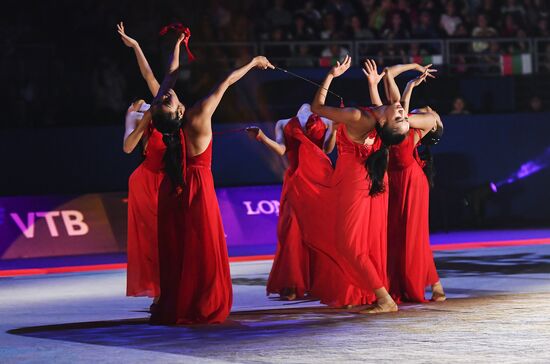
<point x="411" y="265"/>
<point x="294" y="269"/>
<point x="143" y="186"/>
<point x="363" y="141"/>
<point x="195" y="281"/>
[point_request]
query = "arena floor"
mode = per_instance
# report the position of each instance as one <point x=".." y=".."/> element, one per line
<point x="497" y="311"/>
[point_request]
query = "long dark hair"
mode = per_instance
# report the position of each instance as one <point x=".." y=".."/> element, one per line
<point x="430" y="139"/>
<point x="377" y="163"/>
<point x="173" y="157"/>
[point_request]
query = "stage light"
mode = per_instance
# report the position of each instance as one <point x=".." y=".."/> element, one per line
<point x="525" y="170"/>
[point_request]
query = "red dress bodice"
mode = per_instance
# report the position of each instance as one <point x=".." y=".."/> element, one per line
<point x="403" y="154"/>
<point x="315" y="130"/>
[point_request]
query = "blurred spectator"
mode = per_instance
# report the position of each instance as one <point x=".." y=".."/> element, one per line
<point x="329" y="26"/>
<point x="334" y="52"/>
<point x="409" y="14"/>
<point x="542" y="28"/>
<point x="492" y="59"/>
<point x="377" y="18"/>
<point x="509" y="28"/>
<point x="482" y="30"/>
<point x="450" y="20"/>
<point x="278" y="15"/>
<point x="522" y="44"/>
<point x="489" y="9"/>
<point x="461" y="31"/>
<point x="512" y="7"/>
<point x="391" y="54"/>
<point x="312" y="15"/>
<point x="357" y="31"/>
<point x="340" y="7"/>
<point x="396" y="28"/>
<point x="300" y="30"/>
<point x="459" y="64"/>
<point x="425" y="28"/>
<point x="459" y="107"/>
<point x="535" y="104"/>
<point x="544" y="64"/>
<point x="303" y="58"/>
<point x="365" y="9"/>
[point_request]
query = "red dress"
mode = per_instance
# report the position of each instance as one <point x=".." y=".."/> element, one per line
<point x="355" y="236"/>
<point x="293" y="263"/>
<point x="143" y="185"/>
<point x="194" y="265"/>
<point x="410" y="261"/>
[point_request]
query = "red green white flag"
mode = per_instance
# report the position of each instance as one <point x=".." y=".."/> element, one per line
<point x="432" y="59"/>
<point x="517" y="64"/>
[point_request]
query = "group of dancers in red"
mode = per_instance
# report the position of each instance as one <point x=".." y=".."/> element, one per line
<point x="352" y="234"/>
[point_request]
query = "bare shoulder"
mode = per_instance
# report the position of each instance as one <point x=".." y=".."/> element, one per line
<point x="197" y="122"/>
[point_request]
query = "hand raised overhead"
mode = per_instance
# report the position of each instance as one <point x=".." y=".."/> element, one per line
<point x="340" y="68"/>
<point x="129" y="42"/>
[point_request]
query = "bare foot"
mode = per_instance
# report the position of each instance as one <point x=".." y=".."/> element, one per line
<point x="382" y="305"/>
<point x="288" y="294"/>
<point x="438" y="295"/>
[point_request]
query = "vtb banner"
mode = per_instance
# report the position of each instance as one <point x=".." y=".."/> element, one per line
<point x="42" y="226"/>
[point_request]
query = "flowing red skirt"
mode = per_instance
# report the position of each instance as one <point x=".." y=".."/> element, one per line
<point x="291" y="266"/>
<point x="194" y="266"/>
<point x="411" y="265"/>
<point x="343" y="223"/>
<point x="143" y="266"/>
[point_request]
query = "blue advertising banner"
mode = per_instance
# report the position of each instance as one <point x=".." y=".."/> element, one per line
<point x="47" y="226"/>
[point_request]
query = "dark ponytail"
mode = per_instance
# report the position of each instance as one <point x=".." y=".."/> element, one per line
<point x="173" y="156"/>
<point x="431" y="138"/>
<point x="377" y="163"/>
<point x="426" y="156"/>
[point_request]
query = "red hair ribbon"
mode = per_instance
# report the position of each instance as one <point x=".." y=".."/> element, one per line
<point x="179" y="29"/>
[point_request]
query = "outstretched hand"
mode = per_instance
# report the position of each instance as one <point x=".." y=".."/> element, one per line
<point x="254" y="132"/>
<point x="428" y="70"/>
<point x="371" y="72"/>
<point x="418" y="80"/>
<point x="262" y="63"/>
<point x="129" y="42"/>
<point x="340" y="68"/>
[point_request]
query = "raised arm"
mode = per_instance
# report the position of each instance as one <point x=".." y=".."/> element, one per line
<point x="200" y="121"/>
<point x="390" y="87"/>
<point x="135" y="127"/>
<point x="277" y="145"/>
<point x="330" y="136"/>
<point x="373" y="78"/>
<point x="407" y="93"/>
<point x="347" y="116"/>
<point x="144" y="67"/>
<point x="172" y="73"/>
<point x="398" y="69"/>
